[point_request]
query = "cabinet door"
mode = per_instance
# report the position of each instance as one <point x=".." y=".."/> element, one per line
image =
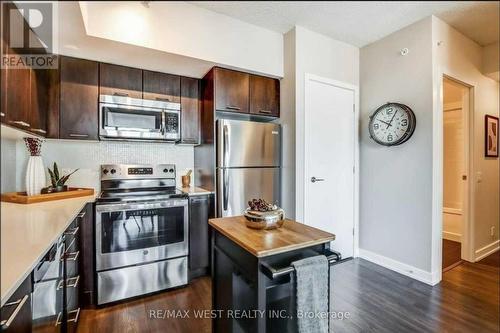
<point x="87" y="264"/>
<point x="73" y="275"/>
<point x="231" y="90"/>
<point x="16" y="87"/>
<point x="190" y="110"/>
<point x="200" y="210"/>
<point x="120" y="81"/>
<point x="16" y="312"/>
<point x="43" y="86"/>
<point x="161" y="86"/>
<point x="79" y="99"/>
<point x="264" y="96"/>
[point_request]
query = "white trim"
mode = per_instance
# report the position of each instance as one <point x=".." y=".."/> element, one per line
<point x="401" y="268"/>
<point x="454" y="211"/>
<point x="437" y="174"/>
<point x="355" y="89"/>
<point x="452" y="236"/>
<point x="487" y="250"/>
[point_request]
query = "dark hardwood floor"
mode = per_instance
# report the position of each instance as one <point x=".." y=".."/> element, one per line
<point x="452" y="255"/>
<point x="376" y="300"/>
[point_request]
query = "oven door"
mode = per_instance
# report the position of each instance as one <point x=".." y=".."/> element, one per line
<point x="131" y="122"/>
<point x="137" y="233"/>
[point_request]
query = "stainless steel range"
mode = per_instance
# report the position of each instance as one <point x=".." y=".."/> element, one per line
<point x="141" y="232"/>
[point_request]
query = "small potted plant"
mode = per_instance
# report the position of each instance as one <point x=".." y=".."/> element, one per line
<point x="58" y="183"/>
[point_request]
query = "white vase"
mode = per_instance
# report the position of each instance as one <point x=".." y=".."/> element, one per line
<point x="35" y="175"/>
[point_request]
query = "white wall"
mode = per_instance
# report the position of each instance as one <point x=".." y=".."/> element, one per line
<point x="88" y="156"/>
<point x="8" y="167"/>
<point x="396" y="182"/>
<point x="287" y="121"/>
<point x="183" y="29"/>
<point x="491" y="60"/>
<point x="319" y="55"/>
<point x="459" y="57"/>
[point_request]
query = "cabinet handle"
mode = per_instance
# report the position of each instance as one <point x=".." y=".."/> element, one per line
<point x="120" y="94"/>
<point x="78" y="135"/>
<point x="21" y="123"/>
<point x="72" y="232"/>
<point x="162" y="99"/>
<point x="76" y="312"/>
<point x="73" y="256"/>
<point x="81" y="215"/>
<point x="2" y="114"/>
<point x="69" y="247"/>
<point x="71" y="282"/>
<point x="19" y="304"/>
<point x="232" y="107"/>
<point x="266" y="111"/>
<point x="39" y="130"/>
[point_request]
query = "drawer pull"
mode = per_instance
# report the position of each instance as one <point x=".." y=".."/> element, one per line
<point x="19" y="304"/>
<point x="162" y="99"/>
<point x="78" y="135"/>
<point x="73" y="256"/>
<point x="70" y="283"/>
<point x="39" y="130"/>
<point x="266" y="111"/>
<point x="2" y="114"/>
<point x="232" y="107"/>
<point x="81" y="215"/>
<point x="72" y="232"/>
<point x="75" y="319"/>
<point x="120" y="94"/>
<point x="21" y="123"/>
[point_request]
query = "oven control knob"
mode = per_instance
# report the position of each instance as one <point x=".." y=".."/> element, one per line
<point x="105" y="171"/>
<point x="171" y="170"/>
<point x="165" y="170"/>
<point x="113" y="171"/>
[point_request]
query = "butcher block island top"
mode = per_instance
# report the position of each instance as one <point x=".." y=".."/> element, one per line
<point x="261" y="243"/>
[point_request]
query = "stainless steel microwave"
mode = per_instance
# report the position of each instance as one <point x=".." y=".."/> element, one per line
<point x="128" y="118"/>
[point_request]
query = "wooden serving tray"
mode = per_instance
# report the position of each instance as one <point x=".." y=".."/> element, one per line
<point x="22" y="198"/>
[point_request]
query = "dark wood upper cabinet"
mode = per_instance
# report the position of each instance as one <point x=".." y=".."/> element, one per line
<point x="120" y="81"/>
<point x="231" y="90"/>
<point x="264" y="96"/>
<point x="161" y="86"/>
<point x="79" y="99"/>
<point x="16" y="88"/>
<point x="190" y="110"/>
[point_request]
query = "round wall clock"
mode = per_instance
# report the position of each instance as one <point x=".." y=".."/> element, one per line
<point x="392" y="124"/>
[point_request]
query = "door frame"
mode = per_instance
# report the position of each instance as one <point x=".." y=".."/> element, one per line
<point x="355" y="89"/>
<point x="467" y="245"/>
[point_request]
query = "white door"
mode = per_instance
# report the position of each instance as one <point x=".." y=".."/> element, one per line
<point x="329" y="197"/>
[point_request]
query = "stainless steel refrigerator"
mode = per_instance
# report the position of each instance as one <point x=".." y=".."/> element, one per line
<point x="248" y="164"/>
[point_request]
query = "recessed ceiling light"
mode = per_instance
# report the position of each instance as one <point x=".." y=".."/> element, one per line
<point x="145" y="3"/>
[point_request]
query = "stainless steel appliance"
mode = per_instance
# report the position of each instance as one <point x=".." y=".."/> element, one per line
<point x="141" y="232"/>
<point x="248" y="162"/>
<point x="126" y="118"/>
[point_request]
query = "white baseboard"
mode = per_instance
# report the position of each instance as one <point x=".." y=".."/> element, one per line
<point x="394" y="265"/>
<point x="452" y="236"/>
<point x="487" y="250"/>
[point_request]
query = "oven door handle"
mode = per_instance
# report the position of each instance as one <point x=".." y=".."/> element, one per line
<point x="132" y="206"/>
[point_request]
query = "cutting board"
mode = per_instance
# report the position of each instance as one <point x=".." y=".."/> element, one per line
<point x="22" y="198"/>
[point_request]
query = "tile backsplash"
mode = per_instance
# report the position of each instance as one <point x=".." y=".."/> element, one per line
<point x="88" y="156"/>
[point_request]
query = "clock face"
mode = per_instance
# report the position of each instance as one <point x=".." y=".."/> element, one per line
<point x="392" y="124"/>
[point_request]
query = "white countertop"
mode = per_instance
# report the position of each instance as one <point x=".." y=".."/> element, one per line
<point x="28" y="232"/>
<point x="193" y="190"/>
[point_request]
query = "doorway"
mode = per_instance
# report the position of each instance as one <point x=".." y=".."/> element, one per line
<point x="330" y="157"/>
<point x="456" y="106"/>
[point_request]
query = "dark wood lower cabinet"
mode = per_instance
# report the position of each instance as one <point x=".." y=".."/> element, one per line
<point x="87" y="259"/>
<point x="201" y="208"/>
<point x="16" y="315"/>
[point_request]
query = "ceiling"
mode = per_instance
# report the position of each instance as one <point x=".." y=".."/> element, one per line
<point x="360" y="23"/>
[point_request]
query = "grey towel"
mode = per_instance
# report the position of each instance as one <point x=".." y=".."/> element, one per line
<point x="312" y="294"/>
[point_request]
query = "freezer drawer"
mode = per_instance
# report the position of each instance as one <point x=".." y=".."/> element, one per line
<point x="236" y="186"/>
<point x="133" y="281"/>
<point x="248" y="144"/>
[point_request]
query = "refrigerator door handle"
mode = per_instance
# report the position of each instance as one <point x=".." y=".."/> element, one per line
<point x="226" y="146"/>
<point x="225" y="189"/>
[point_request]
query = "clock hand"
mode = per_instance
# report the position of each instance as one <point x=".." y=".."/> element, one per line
<point x="384" y="122"/>
<point x="390" y="122"/>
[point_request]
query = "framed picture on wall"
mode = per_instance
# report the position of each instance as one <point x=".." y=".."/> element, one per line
<point x="491" y="136"/>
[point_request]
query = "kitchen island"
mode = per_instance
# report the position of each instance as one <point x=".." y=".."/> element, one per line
<point x="252" y="285"/>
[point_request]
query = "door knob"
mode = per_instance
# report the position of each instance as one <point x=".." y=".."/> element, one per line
<point x="314" y="180"/>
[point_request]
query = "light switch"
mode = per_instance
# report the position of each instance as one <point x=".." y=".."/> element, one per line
<point x="479" y="177"/>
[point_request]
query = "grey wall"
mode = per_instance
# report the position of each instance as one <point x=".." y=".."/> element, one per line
<point x="396" y="182"/>
<point x="8" y="167"/>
